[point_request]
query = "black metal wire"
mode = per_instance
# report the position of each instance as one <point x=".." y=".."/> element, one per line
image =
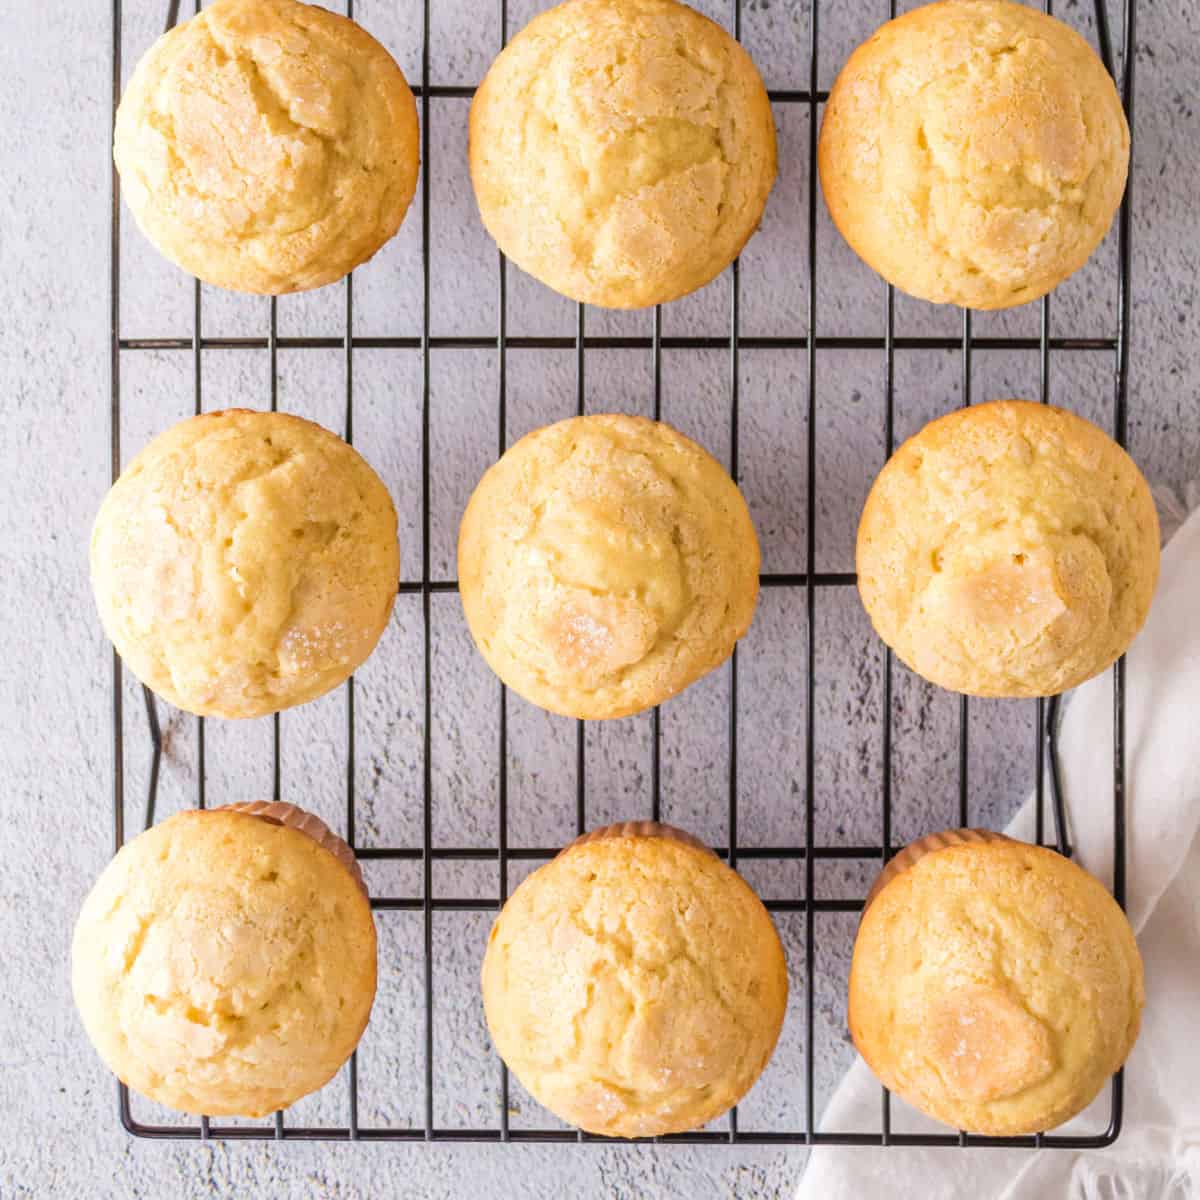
<point x="735" y="301"/>
<point x="426" y="599"/>
<point x="1039" y="737"/>
<point x="273" y="385"/>
<point x="964" y="703"/>
<point x="809" y="582"/>
<point x="580" y="731"/>
<point x="454" y="91"/>
<point x="822" y="579"/>
<point x="1121" y="432"/>
<point x="798" y="341"/>
<point x="351" y="763"/>
<point x="656" y="717"/>
<point x="810" y="602"/>
<point x="889" y="444"/>
<point x="501" y="446"/>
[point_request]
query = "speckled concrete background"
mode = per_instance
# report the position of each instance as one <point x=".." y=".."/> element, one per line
<point x="61" y="1136"/>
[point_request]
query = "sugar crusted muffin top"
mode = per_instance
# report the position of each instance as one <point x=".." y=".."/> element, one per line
<point x="995" y="985"/>
<point x="245" y="562"/>
<point x="224" y="964"/>
<point x="1008" y="549"/>
<point x="267" y="145"/>
<point x="635" y="984"/>
<point x="622" y="150"/>
<point x="974" y="152"/>
<point x="606" y="562"/>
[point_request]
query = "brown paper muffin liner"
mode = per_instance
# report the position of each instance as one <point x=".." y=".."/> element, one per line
<point x="929" y="844"/>
<point x="634" y="829"/>
<point x="277" y="812"/>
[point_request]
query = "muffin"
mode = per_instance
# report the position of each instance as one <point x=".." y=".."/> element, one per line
<point x="605" y="563"/>
<point x="224" y="962"/>
<point x="995" y="985"/>
<point x="245" y="562"/>
<point x="267" y="146"/>
<point x="1010" y="549"/>
<point x="974" y="152"/>
<point x="622" y="150"/>
<point x="635" y="984"/>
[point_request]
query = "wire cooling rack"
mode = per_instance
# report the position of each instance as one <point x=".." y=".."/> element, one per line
<point x="803" y="588"/>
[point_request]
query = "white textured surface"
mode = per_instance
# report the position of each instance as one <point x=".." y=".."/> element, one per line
<point x="62" y="1136"/>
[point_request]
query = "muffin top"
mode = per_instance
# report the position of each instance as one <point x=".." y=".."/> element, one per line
<point x="995" y="985"/>
<point x="267" y="145"/>
<point x="622" y="150"/>
<point x="606" y="562"/>
<point x="224" y="963"/>
<point x="635" y="984"/>
<point x="1009" y="549"/>
<point x="974" y="152"/>
<point x="245" y="562"/>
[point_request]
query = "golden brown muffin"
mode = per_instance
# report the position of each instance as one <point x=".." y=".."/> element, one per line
<point x="605" y="563"/>
<point x="1010" y="549"/>
<point x="224" y="962"/>
<point x="995" y="985"/>
<point x="635" y="984"/>
<point x="267" y="145"/>
<point x="622" y="150"/>
<point x="974" y="152"/>
<point x="245" y="562"/>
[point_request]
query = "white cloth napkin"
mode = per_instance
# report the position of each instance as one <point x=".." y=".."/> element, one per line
<point x="1158" y="1152"/>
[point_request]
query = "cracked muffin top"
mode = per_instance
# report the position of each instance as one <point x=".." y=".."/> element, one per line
<point x="1008" y="549"/>
<point x="995" y="985"/>
<point x="224" y="963"/>
<point x="635" y="984"/>
<point x="245" y="562"/>
<point x="974" y="152"/>
<point x="267" y="146"/>
<point x="605" y="563"/>
<point x="622" y="150"/>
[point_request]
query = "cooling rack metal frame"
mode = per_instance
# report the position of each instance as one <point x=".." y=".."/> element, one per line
<point x="809" y="583"/>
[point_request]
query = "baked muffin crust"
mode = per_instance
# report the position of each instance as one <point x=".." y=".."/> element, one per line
<point x="635" y="984"/>
<point x="224" y="964"/>
<point x="245" y="562"/>
<point x="267" y="145"/>
<point x="1008" y="549"/>
<point x="605" y="563"/>
<point x="995" y="985"/>
<point x="622" y="150"/>
<point x="974" y="152"/>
